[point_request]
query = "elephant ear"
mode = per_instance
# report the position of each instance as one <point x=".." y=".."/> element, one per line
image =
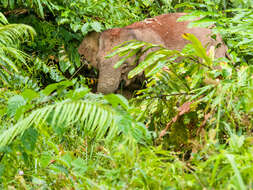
<point x="89" y="47"/>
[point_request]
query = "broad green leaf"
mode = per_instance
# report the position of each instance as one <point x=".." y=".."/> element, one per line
<point x="202" y="23"/>
<point x="45" y="159"/>
<point x="75" y="26"/>
<point x="85" y="28"/>
<point x="14" y="103"/>
<point x="95" y="25"/>
<point x="117" y="99"/>
<point x="56" y="87"/>
<point x="64" y="64"/>
<point x="199" y="49"/>
<point x="29" y="94"/>
<point x="78" y="93"/>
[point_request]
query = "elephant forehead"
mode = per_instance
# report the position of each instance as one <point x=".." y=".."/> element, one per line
<point x="90" y="42"/>
<point x="166" y="26"/>
<point x="111" y="33"/>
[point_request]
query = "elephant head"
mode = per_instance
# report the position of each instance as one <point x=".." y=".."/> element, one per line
<point x="96" y="46"/>
<point x="89" y="48"/>
<point x="93" y="48"/>
<point x="162" y="30"/>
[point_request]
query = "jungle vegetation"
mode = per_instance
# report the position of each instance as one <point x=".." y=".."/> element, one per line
<point x="189" y="127"/>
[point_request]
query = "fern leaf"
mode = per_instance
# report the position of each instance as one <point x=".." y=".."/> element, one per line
<point x="99" y="119"/>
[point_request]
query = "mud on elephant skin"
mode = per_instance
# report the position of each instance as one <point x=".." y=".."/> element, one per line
<point x="163" y="30"/>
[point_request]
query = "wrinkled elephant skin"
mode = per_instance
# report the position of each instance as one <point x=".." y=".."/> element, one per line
<point x="163" y="30"/>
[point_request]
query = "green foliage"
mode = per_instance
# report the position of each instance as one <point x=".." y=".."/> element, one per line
<point x="122" y="166"/>
<point x="241" y="31"/>
<point x="93" y="116"/>
<point x="35" y="5"/>
<point x="214" y="89"/>
<point x="51" y="52"/>
<point x="56" y="134"/>
<point x="235" y="25"/>
<point x="12" y="59"/>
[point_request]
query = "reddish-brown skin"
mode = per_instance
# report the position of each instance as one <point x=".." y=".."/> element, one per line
<point x="163" y="30"/>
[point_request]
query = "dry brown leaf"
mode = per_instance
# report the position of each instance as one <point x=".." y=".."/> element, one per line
<point x="185" y="108"/>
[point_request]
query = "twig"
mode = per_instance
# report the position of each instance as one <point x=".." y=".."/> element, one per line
<point x="77" y="71"/>
<point x="201" y="63"/>
<point x="176" y="94"/>
<point x="185" y="108"/>
<point x="16" y="11"/>
<point x="6" y="70"/>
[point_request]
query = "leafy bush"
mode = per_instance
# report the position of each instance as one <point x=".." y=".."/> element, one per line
<point x="191" y="128"/>
<point x="214" y="90"/>
<point x="11" y="58"/>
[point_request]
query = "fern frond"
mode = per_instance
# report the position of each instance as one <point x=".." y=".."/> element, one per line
<point x="98" y="119"/>
<point x="3" y="20"/>
<point x="12" y="33"/>
<point x="10" y="56"/>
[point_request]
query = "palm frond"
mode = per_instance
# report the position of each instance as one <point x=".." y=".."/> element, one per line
<point x="3" y="20"/>
<point x="9" y="62"/>
<point x="98" y="119"/>
<point x="10" y="34"/>
<point x="13" y="54"/>
<point x="10" y="56"/>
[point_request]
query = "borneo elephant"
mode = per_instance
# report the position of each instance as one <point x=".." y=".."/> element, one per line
<point x="163" y="30"/>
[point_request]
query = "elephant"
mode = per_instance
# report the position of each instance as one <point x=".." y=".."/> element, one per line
<point x="161" y="30"/>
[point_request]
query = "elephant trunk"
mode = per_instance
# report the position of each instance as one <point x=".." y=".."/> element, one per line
<point x="109" y="78"/>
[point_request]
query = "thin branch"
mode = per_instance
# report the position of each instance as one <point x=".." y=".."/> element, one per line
<point x="6" y="70"/>
<point x="16" y="12"/>
<point x="77" y="71"/>
<point x="176" y="94"/>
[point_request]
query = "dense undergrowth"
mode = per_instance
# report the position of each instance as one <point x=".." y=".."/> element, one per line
<point x="190" y="128"/>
